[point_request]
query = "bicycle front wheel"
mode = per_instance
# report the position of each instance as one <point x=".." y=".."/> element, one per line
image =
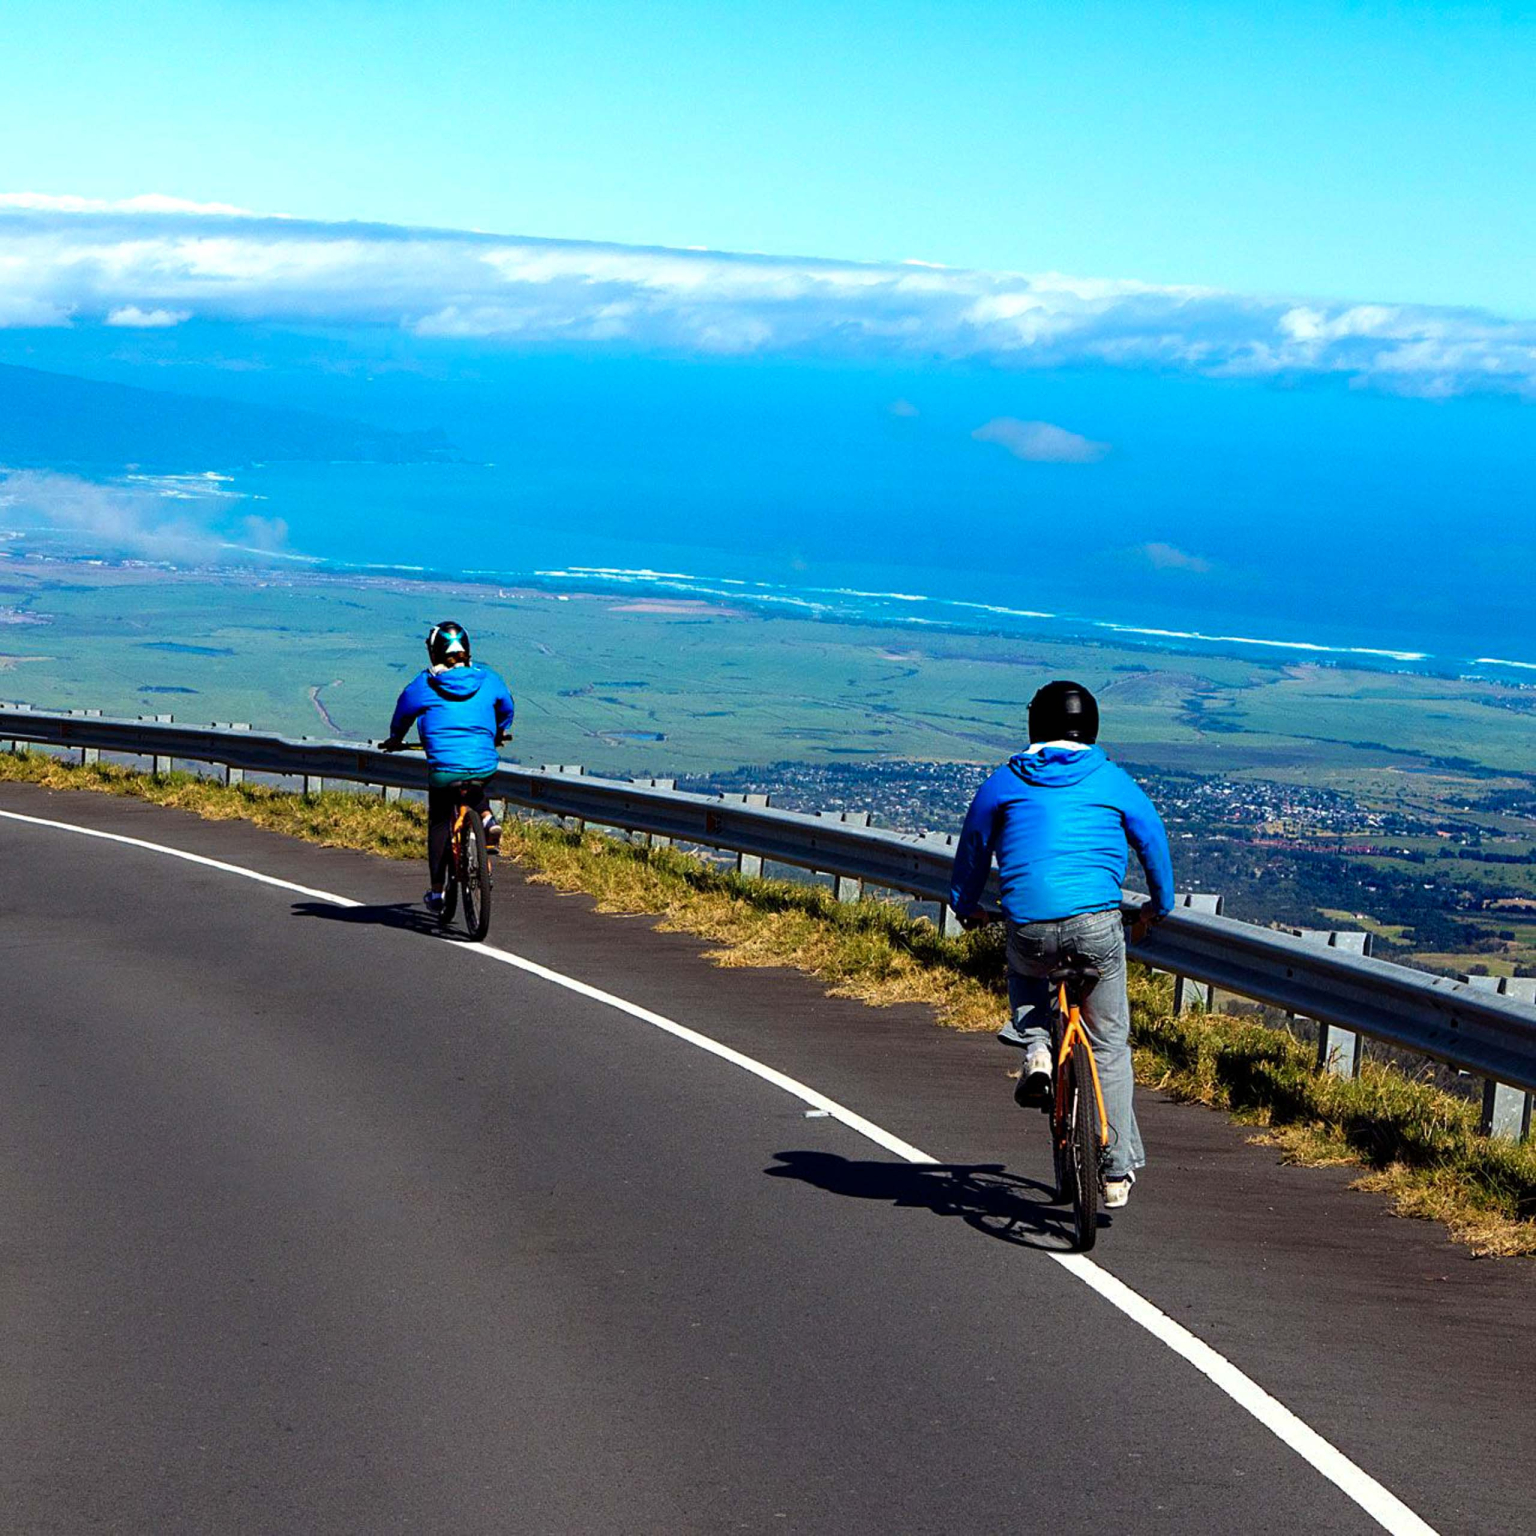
<point x="1083" y="1151"/>
<point x="475" y="862"/>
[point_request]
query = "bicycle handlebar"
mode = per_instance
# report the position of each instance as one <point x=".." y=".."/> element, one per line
<point x="388" y="745"/>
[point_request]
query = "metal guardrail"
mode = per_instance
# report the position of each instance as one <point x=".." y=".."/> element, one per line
<point x="1484" y="1033"/>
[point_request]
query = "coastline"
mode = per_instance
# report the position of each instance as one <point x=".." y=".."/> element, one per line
<point x="686" y="595"/>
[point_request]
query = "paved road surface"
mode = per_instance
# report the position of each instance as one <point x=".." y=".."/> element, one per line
<point x="310" y="1221"/>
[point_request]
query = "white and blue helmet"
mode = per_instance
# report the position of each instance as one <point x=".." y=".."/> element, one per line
<point x="448" y="644"/>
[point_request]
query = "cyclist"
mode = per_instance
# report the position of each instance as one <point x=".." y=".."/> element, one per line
<point x="461" y="711"/>
<point x="1057" y="816"/>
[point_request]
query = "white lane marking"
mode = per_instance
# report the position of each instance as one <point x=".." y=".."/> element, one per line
<point x="1383" y="1506"/>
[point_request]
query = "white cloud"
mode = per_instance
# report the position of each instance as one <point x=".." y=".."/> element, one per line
<point x="1040" y="441"/>
<point x="148" y="202"/>
<point x="71" y="260"/>
<point x="1168" y="557"/>
<point x="146" y="319"/>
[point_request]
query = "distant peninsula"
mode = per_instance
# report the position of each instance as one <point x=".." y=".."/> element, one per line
<point x="58" y="420"/>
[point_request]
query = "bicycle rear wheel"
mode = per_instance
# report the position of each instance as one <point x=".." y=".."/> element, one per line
<point x="475" y="867"/>
<point x="1082" y="1148"/>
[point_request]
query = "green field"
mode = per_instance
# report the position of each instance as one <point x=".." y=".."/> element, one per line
<point x="623" y="685"/>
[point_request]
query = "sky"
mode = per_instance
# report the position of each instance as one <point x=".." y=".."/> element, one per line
<point x="1229" y="307"/>
<point x="1380" y="153"/>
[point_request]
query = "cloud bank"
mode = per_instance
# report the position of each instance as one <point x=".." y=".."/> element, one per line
<point x="155" y="261"/>
<point x="183" y="519"/>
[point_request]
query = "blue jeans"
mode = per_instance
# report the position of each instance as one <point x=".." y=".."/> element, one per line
<point x="1034" y="949"/>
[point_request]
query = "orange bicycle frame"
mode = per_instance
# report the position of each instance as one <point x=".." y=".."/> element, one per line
<point x="1072" y="1035"/>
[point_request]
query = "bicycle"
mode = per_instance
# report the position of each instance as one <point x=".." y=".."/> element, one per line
<point x="469" y="880"/>
<point x="1079" y="1126"/>
<point x="469" y="868"/>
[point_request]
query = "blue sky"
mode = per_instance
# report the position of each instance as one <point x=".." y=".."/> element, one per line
<point x="1229" y="308"/>
<point x="1372" y="152"/>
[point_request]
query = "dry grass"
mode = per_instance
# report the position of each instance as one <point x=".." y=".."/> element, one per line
<point x="1417" y="1144"/>
<point x="1414" y="1143"/>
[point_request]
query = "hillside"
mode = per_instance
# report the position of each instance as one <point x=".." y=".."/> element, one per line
<point x="54" y="420"/>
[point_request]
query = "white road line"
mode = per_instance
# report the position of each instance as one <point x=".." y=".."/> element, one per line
<point x="1383" y="1506"/>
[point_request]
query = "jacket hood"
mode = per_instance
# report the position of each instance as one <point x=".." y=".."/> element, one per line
<point x="458" y="682"/>
<point x="1053" y="767"/>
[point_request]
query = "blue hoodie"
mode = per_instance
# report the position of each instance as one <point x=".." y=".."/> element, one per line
<point x="1058" y="820"/>
<point x="458" y="713"/>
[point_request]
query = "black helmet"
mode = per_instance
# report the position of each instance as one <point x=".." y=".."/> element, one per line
<point x="447" y="644"/>
<point x="1064" y="711"/>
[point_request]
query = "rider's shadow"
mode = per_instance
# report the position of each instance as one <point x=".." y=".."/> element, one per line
<point x="983" y="1195"/>
<point x="396" y="914"/>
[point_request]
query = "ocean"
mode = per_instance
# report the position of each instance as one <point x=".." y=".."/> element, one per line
<point x="485" y="523"/>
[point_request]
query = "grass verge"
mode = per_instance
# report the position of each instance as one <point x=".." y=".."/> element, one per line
<point x="1413" y="1142"/>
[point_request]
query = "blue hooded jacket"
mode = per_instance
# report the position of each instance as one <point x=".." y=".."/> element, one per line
<point x="1058" y="820"/>
<point x="458" y="712"/>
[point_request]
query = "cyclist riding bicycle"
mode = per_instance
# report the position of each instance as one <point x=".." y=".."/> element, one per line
<point x="1058" y="816"/>
<point x="461" y="711"/>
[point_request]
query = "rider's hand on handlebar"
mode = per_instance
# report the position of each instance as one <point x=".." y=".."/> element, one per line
<point x="1141" y="925"/>
<point x="392" y="744"/>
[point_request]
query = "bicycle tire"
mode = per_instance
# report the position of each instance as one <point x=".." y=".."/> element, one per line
<point x="1060" y="1103"/>
<point x="476" y="878"/>
<point x="1083" y="1149"/>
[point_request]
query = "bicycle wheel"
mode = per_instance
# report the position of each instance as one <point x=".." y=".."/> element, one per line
<point x="1083" y="1151"/>
<point x="475" y="866"/>
<point x="1061" y="1128"/>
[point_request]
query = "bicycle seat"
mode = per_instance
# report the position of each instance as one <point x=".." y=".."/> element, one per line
<point x="1074" y="972"/>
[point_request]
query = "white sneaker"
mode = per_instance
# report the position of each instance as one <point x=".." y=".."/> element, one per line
<point x="1117" y="1192"/>
<point x="1034" y="1087"/>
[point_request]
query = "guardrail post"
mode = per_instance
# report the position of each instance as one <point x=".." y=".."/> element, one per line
<point x="313" y="785"/>
<point x="89" y="756"/>
<point x="845" y="887"/>
<point x="159" y="766"/>
<point x="1187" y="994"/>
<point x="1338" y="1050"/>
<point x="653" y="839"/>
<point x="573" y="823"/>
<point x="748" y="864"/>
<point x="947" y="923"/>
<point x="232" y="776"/>
<point x="392" y="794"/>
<point x="1506" y="1110"/>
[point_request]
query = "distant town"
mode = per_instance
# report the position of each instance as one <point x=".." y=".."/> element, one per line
<point x="1445" y="890"/>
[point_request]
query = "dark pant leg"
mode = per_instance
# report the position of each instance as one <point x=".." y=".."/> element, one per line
<point x="442" y="803"/>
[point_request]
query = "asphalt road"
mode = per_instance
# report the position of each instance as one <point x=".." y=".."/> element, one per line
<point x="314" y="1221"/>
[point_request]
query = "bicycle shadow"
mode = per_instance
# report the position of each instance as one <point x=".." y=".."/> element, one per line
<point x="985" y="1196"/>
<point x="404" y="915"/>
